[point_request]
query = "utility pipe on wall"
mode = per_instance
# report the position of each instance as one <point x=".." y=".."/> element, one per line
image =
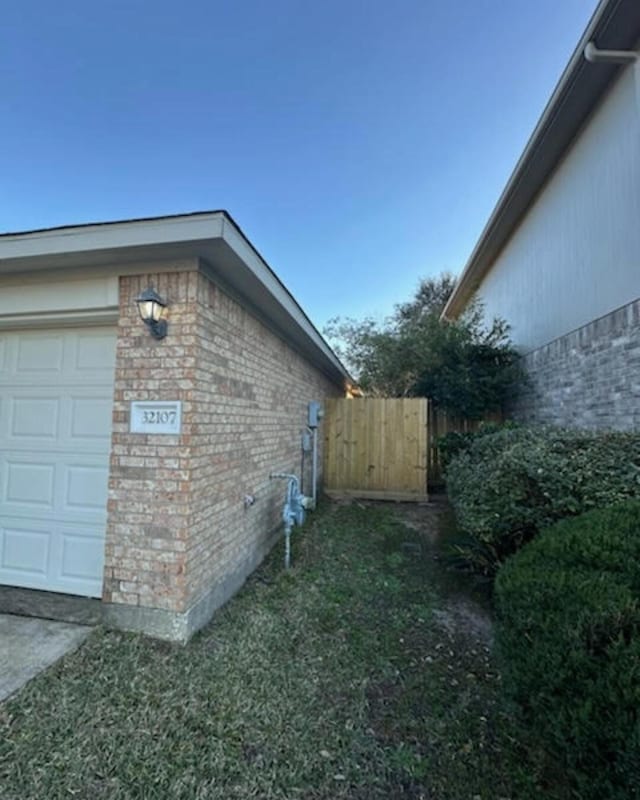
<point x="293" y="513"/>
<point x="595" y="55"/>
<point x="314" y="469"/>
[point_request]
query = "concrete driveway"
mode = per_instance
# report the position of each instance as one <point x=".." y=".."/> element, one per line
<point x="29" y="645"/>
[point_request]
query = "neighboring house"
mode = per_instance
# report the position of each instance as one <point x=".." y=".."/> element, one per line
<point x="163" y="526"/>
<point x="559" y="259"/>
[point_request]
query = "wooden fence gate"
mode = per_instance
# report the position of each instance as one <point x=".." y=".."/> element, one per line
<point x="376" y="448"/>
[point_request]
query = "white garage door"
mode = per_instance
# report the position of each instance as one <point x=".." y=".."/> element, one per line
<point x="56" y="394"/>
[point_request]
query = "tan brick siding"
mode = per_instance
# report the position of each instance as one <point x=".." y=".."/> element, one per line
<point x="252" y="391"/>
<point x="177" y="523"/>
<point x="149" y="492"/>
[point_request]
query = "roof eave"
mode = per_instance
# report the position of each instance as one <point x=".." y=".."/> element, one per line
<point x="211" y="237"/>
<point x="615" y="24"/>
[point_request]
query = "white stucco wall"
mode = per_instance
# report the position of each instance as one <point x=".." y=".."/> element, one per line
<point x="576" y="255"/>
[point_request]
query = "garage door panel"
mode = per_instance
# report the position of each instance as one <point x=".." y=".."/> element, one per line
<point x="85" y="488"/>
<point x="70" y="354"/>
<point x="39" y="353"/>
<point x="95" y="354"/>
<point x="76" y="419"/>
<point x="29" y="484"/>
<point x="82" y="558"/>
<point x="24" y="551"/>
<point x="91" y="418"/>
<point x="33" y="417"/>
<point x="56" y="395"/>
<point x="56" y="486"/>
<point x="53" y="558"/>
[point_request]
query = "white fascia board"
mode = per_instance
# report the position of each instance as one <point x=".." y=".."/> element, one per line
<point x="106" y="236"/>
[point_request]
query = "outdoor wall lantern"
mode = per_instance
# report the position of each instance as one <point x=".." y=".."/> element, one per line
<point x="152" y="309"/>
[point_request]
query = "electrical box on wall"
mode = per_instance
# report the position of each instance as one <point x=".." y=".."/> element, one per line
<point x="315" y="414"/>
<point x="307" y="442"/>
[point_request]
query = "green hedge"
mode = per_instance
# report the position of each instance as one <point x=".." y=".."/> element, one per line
<point x="450" y="445"/>
<point x="568" y="635"/>
<point x="507" y="486"/>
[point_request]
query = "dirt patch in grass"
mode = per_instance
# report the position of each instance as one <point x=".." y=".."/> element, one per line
<point x="350" y="676"/>
<point x="462" y="604"/>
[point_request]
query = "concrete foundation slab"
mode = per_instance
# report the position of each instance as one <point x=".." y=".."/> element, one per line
<point x="50" y="605"/>
<point x="29" y="645"/>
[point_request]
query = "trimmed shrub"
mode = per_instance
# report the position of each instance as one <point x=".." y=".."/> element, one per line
<point x="507" y="486"/>
<point x="568" y="636"/>
<point x="451" y="444"/>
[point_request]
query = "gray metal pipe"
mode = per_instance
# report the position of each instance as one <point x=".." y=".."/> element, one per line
<point x="293" y="513"/>
<point x="595" y="55"/>
<point x="314" y="469"/>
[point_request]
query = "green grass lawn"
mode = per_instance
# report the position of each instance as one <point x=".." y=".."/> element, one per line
<point x="334" y="680"/>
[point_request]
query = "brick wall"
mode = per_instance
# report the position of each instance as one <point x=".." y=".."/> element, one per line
<point x="179" y="537"/>
<point x="589" y="378"/>
<point x="250" y="407"/>
<point x="149" y="493"/>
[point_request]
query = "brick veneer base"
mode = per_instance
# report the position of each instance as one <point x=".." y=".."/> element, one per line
<point x="589" y="378"/>
<point x="180" y="627"/>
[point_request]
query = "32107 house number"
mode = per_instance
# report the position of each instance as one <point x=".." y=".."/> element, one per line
<point x="161" y="416"/>
<point x="154" y="417"/>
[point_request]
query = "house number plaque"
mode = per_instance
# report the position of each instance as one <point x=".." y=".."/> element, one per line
<point x="156" y="417"/>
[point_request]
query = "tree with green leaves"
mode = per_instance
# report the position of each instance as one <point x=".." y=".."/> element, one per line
<point x="466" y="367"/>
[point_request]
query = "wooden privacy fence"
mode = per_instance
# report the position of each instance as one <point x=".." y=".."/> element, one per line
<point x="376" y="448"/>
<point x="440" y="423"/>
<point x="387" y="448"/>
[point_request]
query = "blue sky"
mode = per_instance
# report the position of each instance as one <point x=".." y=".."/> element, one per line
<point x="360" y="144"/>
